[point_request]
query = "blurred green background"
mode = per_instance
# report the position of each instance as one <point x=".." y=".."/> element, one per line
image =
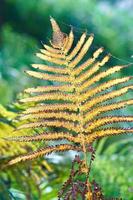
<point x="24" y="26"/>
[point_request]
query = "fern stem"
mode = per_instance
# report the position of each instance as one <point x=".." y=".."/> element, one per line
<point x="81" y="117"/>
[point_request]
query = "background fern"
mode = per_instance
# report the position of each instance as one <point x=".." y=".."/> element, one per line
<point x="30" y="174"/>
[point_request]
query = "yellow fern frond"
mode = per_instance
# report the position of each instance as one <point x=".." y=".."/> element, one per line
<point x="77" y="48"/>
<point x="52" y="123"/>
<point x="44" y="151"/>
<point x="82" y="52"/>
<point x="52" y="107"/>
<point x="102" y="87"/>
<point x="47" y="136"/>
<point x="108" y="120"/>
<point x="108" y="107"/>
<point x="78" y="70"/>
<point x="54" y="55"/>
<point x="51" y="96"/>
<point x="75" y="101"/>
<point x="51" y="49"/>
<point x="50" y="59"/>
<point x="90" y="71"/>
<point x="69" y="43"/>
<point x="47" y="115"/>
<point x="40" y="89"/>
<point x="112" y="131"/>
<point x="58" y="70"/>
<point x="98" y="77"/>
<point x="84" y="77"/>
<point x="49" y="77"/>
<point x="105" y="97"/>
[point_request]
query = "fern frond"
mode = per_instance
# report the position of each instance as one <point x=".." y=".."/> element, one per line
<point x="108" y="120"/>
<point x="106" y="96"/>
<point x="57" y="115"/>
<point x="105" y="108"/>
<point x="84" y="77"/>
<point x="69" y="43"/>
<point x="51" y="49"/>
<point x="87" y="83"/>
<point x="52" y="123"/>
<point x="77" y="47"/>
<point x="82" y="52"/>
<point x="51" y="96"/>
<point x="48" y="136"/>
<point x="50" y="59"/>
<point x="92" y="92"/>
<point x="53" y="55"/>
<point x="75" y="100"/>
<point x="51" y="107"/>
<point x="44" y="151"/>
<point x="40" y="89"/>
<point x="112" y="131"/>
<point x="78" y="70"/>
<point x="50" y="77"/>
<point x="53" y="69"/>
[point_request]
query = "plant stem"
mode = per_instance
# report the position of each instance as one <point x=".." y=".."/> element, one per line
<point x="89" y="196"/>
<point x="81" y="117"/>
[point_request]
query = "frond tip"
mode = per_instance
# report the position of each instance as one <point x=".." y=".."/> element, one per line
<point x="59" y="38"/>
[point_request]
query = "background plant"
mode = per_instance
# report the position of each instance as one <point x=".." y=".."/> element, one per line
<point x="26" y="177"/>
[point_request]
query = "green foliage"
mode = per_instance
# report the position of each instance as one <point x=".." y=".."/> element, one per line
<point x="16" y="52"/>
<point x="21" y="180"/>
<point x="111" y="169"/>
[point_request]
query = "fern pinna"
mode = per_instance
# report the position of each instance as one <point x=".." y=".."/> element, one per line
<point x="75" y="108"/>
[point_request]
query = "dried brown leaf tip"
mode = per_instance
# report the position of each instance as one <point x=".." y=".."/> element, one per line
<point x="59" y="38"/>
<point x="76" y="107"/>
